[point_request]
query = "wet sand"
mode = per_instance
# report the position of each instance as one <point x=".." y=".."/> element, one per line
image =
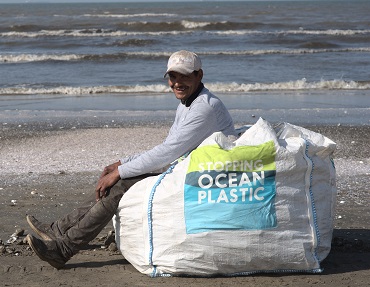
<point x="48" y="170"/>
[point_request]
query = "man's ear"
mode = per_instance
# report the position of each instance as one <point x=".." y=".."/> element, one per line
<point x="200" y="74"/>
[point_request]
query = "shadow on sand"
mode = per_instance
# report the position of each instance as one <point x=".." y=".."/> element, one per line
<point x="350" y="252"/>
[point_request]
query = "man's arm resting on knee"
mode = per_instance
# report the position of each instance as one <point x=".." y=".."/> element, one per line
<point x="109" y="177"/>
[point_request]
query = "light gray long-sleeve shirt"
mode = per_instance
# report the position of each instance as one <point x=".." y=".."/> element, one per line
<point x="193" y="124"/>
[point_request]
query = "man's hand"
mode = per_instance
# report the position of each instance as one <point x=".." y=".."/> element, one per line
<point x="110" y="168"/>
<point x="109" y="177"/>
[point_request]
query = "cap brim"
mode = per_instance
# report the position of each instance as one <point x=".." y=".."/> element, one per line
<point x="180" y="70"/>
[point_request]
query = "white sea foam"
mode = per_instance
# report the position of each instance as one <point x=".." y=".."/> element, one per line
<point x="289" y="86"/>
<point x="86" y="33"/>
<point x="193" y="25"/>
<point x="335" y="32"/>
<point x="215" y="87"/>
<point x="290" y="51"/>
<point x="130" y="15"/>
<point x="84" y="90"/>
<point x="186" y="24"/>
<point x="21" y="58"/>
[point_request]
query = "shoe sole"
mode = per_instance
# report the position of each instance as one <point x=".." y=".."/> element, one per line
<point x="52" y="263"/>
<point x="43" y="235"/>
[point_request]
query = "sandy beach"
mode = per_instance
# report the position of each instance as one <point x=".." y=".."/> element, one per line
<point x="48" y="171"/>
<point x="81" y="86"/>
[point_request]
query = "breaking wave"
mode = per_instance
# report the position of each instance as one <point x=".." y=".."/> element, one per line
<point x="130" y="15"/>
<point x="189" y="25"/>
<point x="289" y="86"/>
<point x="22" y="58"/>
<point x="215" y="87"/>
<point x="85" y="33"/>
<point x="332" y="32"/>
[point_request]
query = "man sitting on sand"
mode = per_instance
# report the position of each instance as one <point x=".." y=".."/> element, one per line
<point x="199" y="114"/>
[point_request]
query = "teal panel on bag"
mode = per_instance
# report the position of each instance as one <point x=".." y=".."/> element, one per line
<point x="230" y="189"/>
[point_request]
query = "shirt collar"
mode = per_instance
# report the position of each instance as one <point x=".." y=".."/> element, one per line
<point x="193" y="96"/>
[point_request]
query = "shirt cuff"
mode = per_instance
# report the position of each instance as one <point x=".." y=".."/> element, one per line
<point x="121" y="172"/>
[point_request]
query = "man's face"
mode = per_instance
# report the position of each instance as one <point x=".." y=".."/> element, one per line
<point x="184" y="85"/>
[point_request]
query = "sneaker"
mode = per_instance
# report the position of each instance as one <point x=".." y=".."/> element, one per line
<point x="47" y="251"/>
<point x="43" y="230"/>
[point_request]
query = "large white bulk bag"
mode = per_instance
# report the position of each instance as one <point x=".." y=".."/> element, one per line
<point x="261" y="203"/>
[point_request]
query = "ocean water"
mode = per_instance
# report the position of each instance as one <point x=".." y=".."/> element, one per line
<point x="258" y="56"/>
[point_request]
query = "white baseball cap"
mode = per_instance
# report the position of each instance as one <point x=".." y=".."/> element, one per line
<point x="183" y="62"/>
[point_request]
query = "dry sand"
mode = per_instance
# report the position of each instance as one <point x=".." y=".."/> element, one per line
<point x="47" y="172"/>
